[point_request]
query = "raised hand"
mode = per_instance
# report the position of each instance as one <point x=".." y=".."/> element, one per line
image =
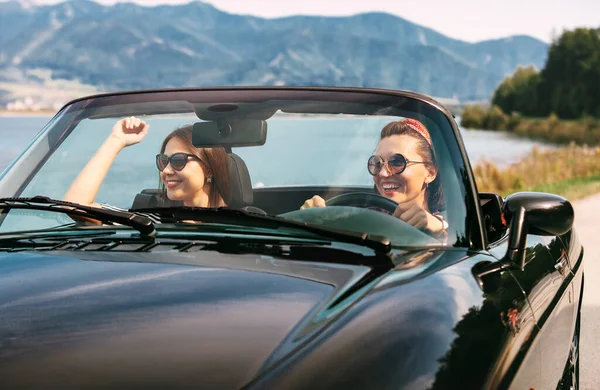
<point x="130" y="130"/>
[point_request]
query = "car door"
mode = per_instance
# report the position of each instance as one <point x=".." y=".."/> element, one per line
<point x="546" y="280"/>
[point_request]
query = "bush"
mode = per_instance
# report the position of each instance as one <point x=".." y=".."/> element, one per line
<point x="539" y="168"/>
<point x="495" y="119"/>
<point x="473" y="117"/>
<point x="479" y="117"/>
<point x="513" y="120"/>
<point x="585" y="131"/>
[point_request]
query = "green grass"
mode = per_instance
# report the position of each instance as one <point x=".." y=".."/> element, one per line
<point x="572" y="189"/>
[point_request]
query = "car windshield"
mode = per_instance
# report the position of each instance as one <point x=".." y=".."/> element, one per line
<point x="380" y="163"/>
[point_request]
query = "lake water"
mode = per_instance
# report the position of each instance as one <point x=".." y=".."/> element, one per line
<point x="501" y="148"/>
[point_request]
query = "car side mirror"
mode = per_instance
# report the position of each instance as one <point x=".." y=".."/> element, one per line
<point x="534" y="213"/>
<point x="494" y="224"/>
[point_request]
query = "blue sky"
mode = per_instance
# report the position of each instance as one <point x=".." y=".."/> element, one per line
<point x="469" y="20"/>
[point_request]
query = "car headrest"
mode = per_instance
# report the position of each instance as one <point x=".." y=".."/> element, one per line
<point x="241" y="185"/>
<point x="241" y="189"/>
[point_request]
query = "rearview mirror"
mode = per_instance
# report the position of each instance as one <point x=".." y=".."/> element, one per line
<point x="534" y="213"/>
<point x="229" y="133"/>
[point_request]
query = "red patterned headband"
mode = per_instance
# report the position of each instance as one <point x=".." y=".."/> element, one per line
<point x="419" y="128"/>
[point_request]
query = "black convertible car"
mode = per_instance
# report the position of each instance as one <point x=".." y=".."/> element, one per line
<point x="351" y="250"/>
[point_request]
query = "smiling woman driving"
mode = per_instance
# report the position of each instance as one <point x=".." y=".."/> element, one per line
<point x="405" y="170"/>
<point x="196" y="176"/>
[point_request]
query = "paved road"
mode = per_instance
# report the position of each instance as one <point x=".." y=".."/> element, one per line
<point x="587" y="225"/>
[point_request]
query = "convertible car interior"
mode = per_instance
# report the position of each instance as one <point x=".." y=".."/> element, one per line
<point x="258" y="200"/>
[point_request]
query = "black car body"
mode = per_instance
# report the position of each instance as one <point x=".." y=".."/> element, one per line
<point x="264" y="295"/>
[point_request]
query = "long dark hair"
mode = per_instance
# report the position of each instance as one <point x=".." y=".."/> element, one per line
<point x="433" y="192"/>
<point x="214" y="163"/>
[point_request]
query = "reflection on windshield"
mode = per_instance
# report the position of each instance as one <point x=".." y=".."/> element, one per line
<point x="393" y="165"/>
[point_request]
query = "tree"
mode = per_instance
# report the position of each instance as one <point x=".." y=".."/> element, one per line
<point x="518" y="93"/>
<point x="570" y="80"/>
<point x="568" y="85"/>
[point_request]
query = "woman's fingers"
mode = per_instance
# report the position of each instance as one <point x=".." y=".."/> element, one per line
<point x="405" y="211"/>
<point x="145" y="128"/>
<point x="133" y="124"/>
<point x="315" y="201"/>
<point x="401" y="209"/>
<point x="412" y="214"/>
<point x="130" y="130"/>
<point x="419" y="221"/>
<point x="319" y="202"/>
<point x="140" y="126"/>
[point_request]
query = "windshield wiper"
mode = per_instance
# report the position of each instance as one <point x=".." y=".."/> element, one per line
<point x="140" y="223"/>
<point x="380" y="244"/>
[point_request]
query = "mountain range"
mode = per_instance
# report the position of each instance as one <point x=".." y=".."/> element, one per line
<point x="127" y="46"/>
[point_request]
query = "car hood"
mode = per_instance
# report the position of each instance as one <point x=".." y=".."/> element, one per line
<point x="205" y="320"/>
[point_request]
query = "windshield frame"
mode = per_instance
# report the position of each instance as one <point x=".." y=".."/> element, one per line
<point x="63" y="123"/>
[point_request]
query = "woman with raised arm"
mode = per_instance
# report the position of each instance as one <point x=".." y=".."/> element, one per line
<point x="198" y="177"/>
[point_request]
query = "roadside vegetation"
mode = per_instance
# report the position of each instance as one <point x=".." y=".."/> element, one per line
<point x="567" y="86"/>
<point x="572" y="172"/>
<point x="550" y="129"/>
<point x="559" y="104"/>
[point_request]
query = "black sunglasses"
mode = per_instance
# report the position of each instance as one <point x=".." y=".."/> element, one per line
<point x="178" y="161"/>
<point x="396" y="164"/>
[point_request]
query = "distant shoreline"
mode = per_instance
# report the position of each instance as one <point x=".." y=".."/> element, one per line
<point x="11" y="113"/>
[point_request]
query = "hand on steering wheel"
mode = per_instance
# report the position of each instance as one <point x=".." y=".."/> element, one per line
<point x="365" y="200"/>
<point x="410" y="212"/>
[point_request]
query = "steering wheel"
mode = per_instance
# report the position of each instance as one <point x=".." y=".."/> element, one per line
<point x="365" y="200"/>
<point x="361" y="220"/>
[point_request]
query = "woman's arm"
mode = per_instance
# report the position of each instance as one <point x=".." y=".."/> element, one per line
<point x="126" y="132"/>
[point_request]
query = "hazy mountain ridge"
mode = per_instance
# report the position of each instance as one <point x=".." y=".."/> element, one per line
<point x="127" y="46"/>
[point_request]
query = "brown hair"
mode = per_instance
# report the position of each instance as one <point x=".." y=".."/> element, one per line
<point x="433" y="192"/>
<point x="214" y="163"/>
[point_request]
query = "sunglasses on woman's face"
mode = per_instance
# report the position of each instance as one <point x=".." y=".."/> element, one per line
<point x="396" y="164"/>
<point x="178" y="161"/>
